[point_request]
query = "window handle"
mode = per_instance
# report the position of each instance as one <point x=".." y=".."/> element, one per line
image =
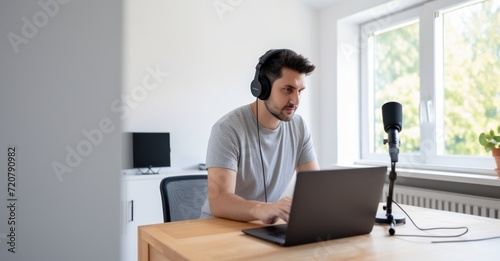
<point x="425" y="111"/>
<point x="428" y="110"/>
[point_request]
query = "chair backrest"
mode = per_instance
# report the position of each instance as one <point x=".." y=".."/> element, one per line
<point x="183" y="197"/>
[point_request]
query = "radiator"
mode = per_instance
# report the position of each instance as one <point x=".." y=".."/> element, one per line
<point x="461" y="203"/>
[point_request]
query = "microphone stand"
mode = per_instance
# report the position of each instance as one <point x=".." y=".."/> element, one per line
<point x="388" y="217"/>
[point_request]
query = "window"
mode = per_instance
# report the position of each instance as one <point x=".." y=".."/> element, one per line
<point x="441" y="61"/>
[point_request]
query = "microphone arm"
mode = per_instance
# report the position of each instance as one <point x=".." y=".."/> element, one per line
<point x="388" y="217"/>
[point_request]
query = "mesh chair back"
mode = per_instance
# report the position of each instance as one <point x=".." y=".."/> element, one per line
<point x="183" y="197"/>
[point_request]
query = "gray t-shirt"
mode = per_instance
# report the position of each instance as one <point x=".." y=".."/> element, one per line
<point x="234" y="144"/>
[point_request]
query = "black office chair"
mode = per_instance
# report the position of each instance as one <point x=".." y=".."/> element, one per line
<point x="183" y="197"/>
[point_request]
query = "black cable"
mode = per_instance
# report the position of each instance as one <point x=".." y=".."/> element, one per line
<point x="466" y="240"/>
<point x="443" y="241"/>
<point x="260" y="148"/>
<point x="428" y="229"/>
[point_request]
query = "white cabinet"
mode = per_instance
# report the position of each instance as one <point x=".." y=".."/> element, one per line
<point x="141" y="205"/>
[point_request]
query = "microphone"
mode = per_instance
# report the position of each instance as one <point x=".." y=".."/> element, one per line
<point x="392" y="116"/>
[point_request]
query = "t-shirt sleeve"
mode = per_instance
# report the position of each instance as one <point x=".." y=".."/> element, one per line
<point x="308" y="153"/>
<point x="222" y="151"/>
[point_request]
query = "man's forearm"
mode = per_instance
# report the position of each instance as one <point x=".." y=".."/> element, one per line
<point x="231" y="206"/>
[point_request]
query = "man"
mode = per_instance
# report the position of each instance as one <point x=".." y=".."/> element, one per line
<point x="250" y="164"/>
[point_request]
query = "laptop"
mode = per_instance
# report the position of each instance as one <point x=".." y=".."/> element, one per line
<point x="328" y="204"/>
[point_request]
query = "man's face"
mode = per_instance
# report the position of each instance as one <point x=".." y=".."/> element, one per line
<point x="285" y="94"/>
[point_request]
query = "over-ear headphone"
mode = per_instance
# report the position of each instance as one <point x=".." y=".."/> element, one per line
<point x="261" y="86"/>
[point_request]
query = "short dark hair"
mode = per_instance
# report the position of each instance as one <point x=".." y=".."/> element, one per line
<point x="285" y="59"/>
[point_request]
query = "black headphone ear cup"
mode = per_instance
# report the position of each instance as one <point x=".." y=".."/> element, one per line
<point x="265" y="86"/>
<point x="256" y="88"/>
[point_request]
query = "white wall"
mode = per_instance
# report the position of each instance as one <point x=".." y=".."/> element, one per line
<point x="208" y="58"/>
<point x="55" y="84"/>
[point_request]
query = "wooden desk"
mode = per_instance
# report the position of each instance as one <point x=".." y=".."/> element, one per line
<point x="220" y="239"/>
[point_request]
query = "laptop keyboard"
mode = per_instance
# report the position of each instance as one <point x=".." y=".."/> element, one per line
<point x="278" y="234"/>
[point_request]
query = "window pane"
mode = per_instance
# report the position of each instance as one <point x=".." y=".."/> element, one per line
<point x="396" y="78"/>
<point x="471" y="76"/>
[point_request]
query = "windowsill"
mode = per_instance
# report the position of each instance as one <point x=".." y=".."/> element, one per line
<point x="476" y="179"/>
<point x="440" y="175"/>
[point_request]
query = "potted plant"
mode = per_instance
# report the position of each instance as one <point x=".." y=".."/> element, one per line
<point x="491" y="142"/>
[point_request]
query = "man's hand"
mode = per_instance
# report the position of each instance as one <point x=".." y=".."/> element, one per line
<point x="270" y="213"/>
<point x="225" y="204"/>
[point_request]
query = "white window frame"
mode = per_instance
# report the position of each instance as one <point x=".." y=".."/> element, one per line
<point x="430" y="21"/>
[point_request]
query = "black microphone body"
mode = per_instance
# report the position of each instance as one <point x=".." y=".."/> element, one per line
<point x="392" y="116"/>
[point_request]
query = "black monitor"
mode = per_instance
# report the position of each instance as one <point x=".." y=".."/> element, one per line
<point x="151" y="150"/>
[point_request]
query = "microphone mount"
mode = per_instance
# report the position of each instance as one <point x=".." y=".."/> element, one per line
<point x="388" y="217"/>
<point x="393" y="141"/>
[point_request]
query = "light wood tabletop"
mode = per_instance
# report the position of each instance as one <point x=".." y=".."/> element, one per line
<point x="221" y="239"/>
